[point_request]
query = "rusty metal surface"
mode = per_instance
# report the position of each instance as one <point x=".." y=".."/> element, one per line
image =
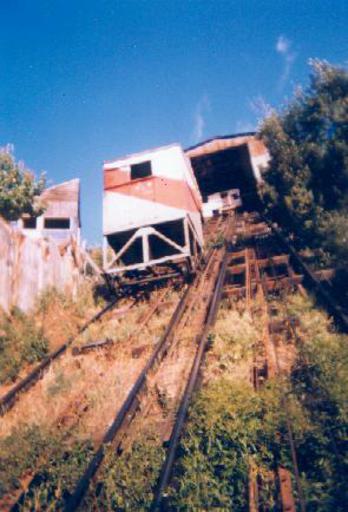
<point x="167" y="468"/>
<point x="125" y="415"/>
<point x="128" y="412"/>
<point x="287" y="497"/>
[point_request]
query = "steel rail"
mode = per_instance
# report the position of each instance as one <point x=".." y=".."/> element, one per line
<point x="299" y="342"/>
<point x="16" y="507"/>
<point x="331" y="304"/>
<point x="131" y="404"/>
<point x="283" y="398"/>
<point x="167" y="468"/>
<point x="128" y="409"/>
<point x="8" y="400"/>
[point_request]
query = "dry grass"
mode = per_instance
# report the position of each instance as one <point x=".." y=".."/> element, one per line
<point x="98" y="381"/>
<point x="233" y="338"/>
<point x="54" y="318"/>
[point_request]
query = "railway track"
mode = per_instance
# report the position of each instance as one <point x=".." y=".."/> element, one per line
<point x="199" y="300"/>
<point x="257" y="268"/>
<point x="284" y="476"/>
<point x="255" y="283"/>
<point x="183" y="310"/>
<point x="8" y="400"/>
<point x="269" y="274"/>
<point x="73" y="413"/>
<point x="276" y="274"/>
<point x="189" y="389"/>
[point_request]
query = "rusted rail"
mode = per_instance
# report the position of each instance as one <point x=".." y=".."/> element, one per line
<point x="130" y="407"/>
<point x="144" y="320"/>
<point x="190" y="386"/>
<point x="288" y="501"/>
<point x="8" y="400"/>
<point x="314" y="283"/>
<point x="260" y="273"/>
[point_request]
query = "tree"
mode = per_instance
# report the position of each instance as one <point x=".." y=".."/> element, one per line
<point x="306" y="186"/>
<point x="19" y="189"/>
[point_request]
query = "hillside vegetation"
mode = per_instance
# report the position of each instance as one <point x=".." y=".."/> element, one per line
<point x="306" y="187"/>
<point x="233" y="429"/>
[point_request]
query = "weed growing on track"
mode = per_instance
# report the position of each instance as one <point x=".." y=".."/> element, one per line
<point x="127" y="481"/>
<point x="229" y="426"/>
<point x="233" y="340"/>
<point x="232" y="428"/>
<point x="60" y="463"/>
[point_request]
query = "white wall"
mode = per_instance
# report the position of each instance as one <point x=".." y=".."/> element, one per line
<point x="127" y="211"/>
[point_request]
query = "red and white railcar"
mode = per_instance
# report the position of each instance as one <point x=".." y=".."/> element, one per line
<point x="151" y="211"/>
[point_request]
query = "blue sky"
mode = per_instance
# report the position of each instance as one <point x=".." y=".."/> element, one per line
<point x="83" y="81"/>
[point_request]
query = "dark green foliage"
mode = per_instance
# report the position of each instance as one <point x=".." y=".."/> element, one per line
<point x="58" y="476"/>
<point x="18" y="454"/>
<point x="21" y="342"/>
<point x="54" y="464"/>
<point x="19" y="191"/>
<point x="230" y="427"/>
<point x="320" y="381"/>
<point x="306" y="188"/>
<point x="127" y="482"/>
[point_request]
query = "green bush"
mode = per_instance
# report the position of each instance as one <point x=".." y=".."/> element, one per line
<point x="21" y="342"/>
<point x="320" y="381"/>
<point x="127" y="481"/>
<point x="19" y="453"/>
<point x="229" y="426"/>
<point x="57" y="465"/>
<point x="57" y="478"/>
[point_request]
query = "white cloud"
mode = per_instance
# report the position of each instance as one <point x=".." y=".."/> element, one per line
<point x="284" y="48"/>
<point x="203" y="106"/>
<point x="259" y="106"/>
<point x="283" y="45"/>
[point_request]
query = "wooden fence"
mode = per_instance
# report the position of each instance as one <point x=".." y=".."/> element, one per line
<point x="28" y="266"/>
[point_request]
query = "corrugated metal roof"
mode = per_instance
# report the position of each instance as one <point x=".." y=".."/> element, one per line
<point x="220" y="137"/>
<point x="63" y="200"/>
<point x="219" y="143"/>
<point x="66" y="191"/>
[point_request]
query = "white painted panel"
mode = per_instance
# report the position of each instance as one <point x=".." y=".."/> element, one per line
<point x="169" y="161"/>
<point x="197" y="223"/>
<point x="122" y="212"/>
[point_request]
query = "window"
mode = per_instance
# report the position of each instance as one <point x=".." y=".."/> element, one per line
<point x="29" y="222"/>
<point x="142" y="170"/>
<point x="52" y="223"/>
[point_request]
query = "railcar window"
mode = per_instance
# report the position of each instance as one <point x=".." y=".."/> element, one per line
<point x="53" y="223"/>
<point x="142" y="170"/>
<point x="29" y="222"/>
